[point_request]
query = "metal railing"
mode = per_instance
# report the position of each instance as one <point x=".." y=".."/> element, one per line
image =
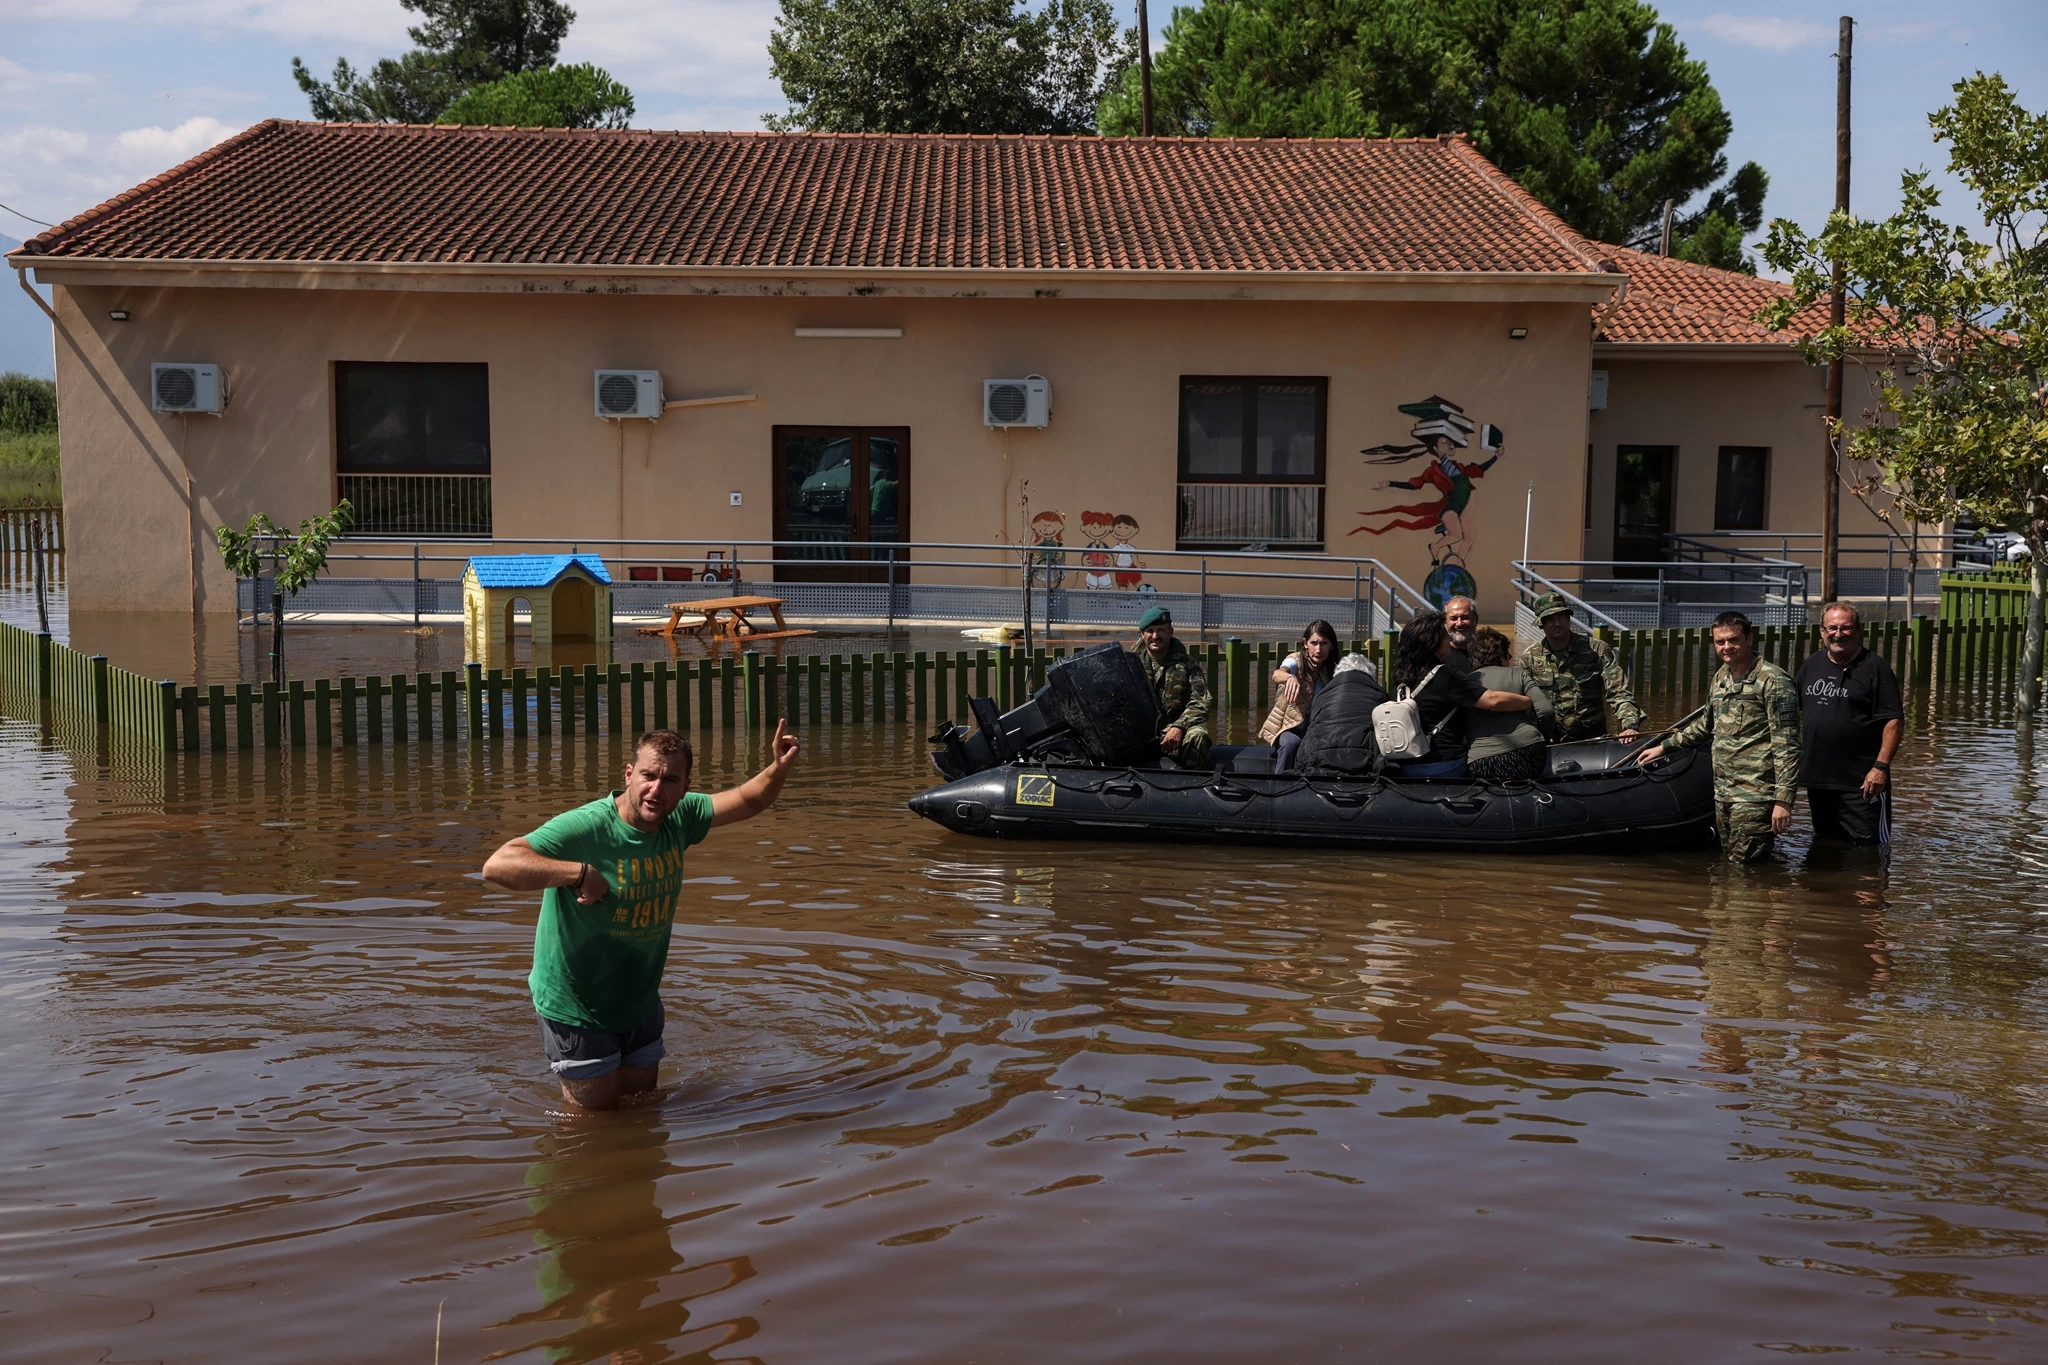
<point x="1250" y="516"/>
<point x="1630" y="595"/>
<point x="419" y="504"/>
<point x="908" y="582"/>
<point x="1899" y="569"/>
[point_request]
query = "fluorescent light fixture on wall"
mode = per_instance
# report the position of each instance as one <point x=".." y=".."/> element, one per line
<point x="871" y="332"/>
<point x="1517" y="333"/>
<point x="118" y="314"/>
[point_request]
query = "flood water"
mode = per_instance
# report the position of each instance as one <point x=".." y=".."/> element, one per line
<point x="274" y="1091"/>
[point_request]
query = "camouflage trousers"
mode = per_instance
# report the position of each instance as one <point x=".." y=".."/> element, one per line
<point x="1194" y="749"/>
<point x="1744" y="828"/>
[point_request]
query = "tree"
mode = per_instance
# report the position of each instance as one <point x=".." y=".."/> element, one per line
<point x="462" y="44"/>
<point x="579" y="96"/>
<point x="294" y="561"/>
<point x="1962" y="417"/>
<point x="945" y="66"/>
<point x="1592" y="105"/>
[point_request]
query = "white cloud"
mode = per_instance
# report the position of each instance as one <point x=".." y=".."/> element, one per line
<point x="699" y="65"/>
<point x="24" y="88"/>
<point x="1769" y="33"/>
<point x="54" y="173"/>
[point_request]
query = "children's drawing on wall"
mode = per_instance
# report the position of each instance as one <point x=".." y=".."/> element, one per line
<point x="1048" y="553"/>
<point x="1097" y="562"/>
<point x="1129" y="576"/>
<point x="1441" y="431"/>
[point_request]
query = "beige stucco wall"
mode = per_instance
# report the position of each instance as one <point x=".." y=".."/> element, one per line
<point x="561" y="472"/>
<point x="1701" y="405"/>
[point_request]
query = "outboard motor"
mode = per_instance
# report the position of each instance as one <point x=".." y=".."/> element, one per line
<point x="1098" y="702"/>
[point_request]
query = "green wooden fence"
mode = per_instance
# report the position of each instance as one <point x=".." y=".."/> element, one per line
<point x="1989" y="595"/>
<point x="920" y="687"/>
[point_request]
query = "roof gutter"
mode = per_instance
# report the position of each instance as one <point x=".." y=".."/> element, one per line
<point x="23" y="261"/>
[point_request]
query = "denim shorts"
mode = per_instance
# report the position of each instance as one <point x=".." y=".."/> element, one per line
<point x="584" y="1054"/>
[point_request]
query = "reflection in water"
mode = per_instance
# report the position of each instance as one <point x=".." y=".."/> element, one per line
<point x="272" y="1073"/>
<point x="611" y="1284"/>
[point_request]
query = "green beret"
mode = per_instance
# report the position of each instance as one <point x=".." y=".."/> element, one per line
<point x="1550" y="604"/>
<point x="1156" y="616"/>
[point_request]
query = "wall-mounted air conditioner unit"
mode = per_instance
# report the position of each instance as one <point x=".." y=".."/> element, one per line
<point x="175" y="387"/>
<point x="1016" y="402"/>
<point x="629" y="393"/>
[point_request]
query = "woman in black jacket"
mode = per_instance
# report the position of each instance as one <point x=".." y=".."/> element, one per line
<point x="1442" y="688"/>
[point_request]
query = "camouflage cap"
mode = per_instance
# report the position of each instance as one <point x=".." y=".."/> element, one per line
<point x="1550" y="604"/>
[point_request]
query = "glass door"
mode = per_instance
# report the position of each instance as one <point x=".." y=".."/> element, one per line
<point x="1642" y="501"/>
<point x="842" y="494"/>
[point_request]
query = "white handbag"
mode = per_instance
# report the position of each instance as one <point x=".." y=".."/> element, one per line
<point x="1397" y="724"/>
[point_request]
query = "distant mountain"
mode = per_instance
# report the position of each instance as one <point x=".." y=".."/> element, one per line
<point x="25" y="341"/>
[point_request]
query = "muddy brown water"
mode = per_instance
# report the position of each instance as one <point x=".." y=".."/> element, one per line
<point x="273" y="1088"/>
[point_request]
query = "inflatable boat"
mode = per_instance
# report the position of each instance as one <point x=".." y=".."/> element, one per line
<point x="1060" y="766"/>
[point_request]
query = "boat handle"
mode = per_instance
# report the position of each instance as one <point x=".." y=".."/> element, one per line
<point x="1131" y="789"/>
<point x="1227" y="793"/>
<point x="1464" y="807"/>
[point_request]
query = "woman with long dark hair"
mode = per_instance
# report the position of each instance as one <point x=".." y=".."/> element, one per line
<point x="1300" y="676"/>
<point x="1442" y="690"/>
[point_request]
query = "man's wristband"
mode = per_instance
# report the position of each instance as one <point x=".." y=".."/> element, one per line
<point x="1881" y="766"/>
<point x="582" y="873"/>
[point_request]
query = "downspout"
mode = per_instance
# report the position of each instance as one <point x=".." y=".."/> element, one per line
<point x="1607" y="313"/>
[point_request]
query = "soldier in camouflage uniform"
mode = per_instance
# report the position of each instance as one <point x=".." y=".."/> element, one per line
<point x="1179" y="686"/>
<point x="1752" y="718"/>
<point x="1579" y="675"/>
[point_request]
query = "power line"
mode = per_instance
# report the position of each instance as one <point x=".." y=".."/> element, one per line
<point x="19" y="214"/>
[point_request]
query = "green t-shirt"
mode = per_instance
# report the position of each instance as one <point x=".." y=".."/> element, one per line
<point x="599" y="966"/>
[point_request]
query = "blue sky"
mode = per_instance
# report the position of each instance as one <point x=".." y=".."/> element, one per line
<point x="98" y="95"/>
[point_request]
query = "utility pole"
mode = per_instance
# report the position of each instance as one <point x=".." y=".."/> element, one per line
<point x="1144" y="73"/>
<point x="1831" y="471"/>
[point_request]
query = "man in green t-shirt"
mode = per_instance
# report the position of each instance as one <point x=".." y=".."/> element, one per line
<point x="611" y="871"/>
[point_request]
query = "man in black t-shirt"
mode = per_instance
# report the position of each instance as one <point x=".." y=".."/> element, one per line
<point x="1850" y="725"/>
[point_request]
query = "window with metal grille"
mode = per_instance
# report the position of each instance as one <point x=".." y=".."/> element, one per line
<point x="413" y="447"/>
<point x="1252" y="461"/>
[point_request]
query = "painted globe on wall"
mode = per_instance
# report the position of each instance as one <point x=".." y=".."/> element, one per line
<point x="1448" y="579"/>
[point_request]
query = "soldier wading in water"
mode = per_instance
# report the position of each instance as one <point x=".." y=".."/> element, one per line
<point x="1752" y="718"/>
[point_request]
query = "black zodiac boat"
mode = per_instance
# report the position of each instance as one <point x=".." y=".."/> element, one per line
<point x="1049" y="770"/>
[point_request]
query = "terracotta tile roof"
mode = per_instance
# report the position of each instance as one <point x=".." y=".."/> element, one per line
<point x="1676" y="303"/>
<point x="341" y="193"/>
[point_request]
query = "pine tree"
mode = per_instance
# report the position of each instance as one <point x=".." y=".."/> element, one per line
<point x="462" y="44"/>
<point x="945" y="66"/>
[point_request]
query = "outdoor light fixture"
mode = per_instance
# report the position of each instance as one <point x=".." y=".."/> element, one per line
<point x="118" y="314"/>
<point x="1517" y="333"/>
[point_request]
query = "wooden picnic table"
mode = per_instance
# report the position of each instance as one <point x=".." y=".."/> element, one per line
<point x="724" y="618"/>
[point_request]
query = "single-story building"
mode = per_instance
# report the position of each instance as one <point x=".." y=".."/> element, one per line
<point x="1704" y="422"/>
<point x="1127" y="347"/>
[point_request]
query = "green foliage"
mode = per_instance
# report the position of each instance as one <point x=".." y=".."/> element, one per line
<point x="945" y="66"/>
<point x="580" y="96"/>
<point x="29" y="475"/>
<point x="27" y="403"/>
<point x="462" y="44"/>
<point x="1961" y="424"/>
<point x="1592" y="105"/>
<point x="295" y="560"/>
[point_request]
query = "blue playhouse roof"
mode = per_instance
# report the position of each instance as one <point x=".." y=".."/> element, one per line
<point x="532" y="571"/>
